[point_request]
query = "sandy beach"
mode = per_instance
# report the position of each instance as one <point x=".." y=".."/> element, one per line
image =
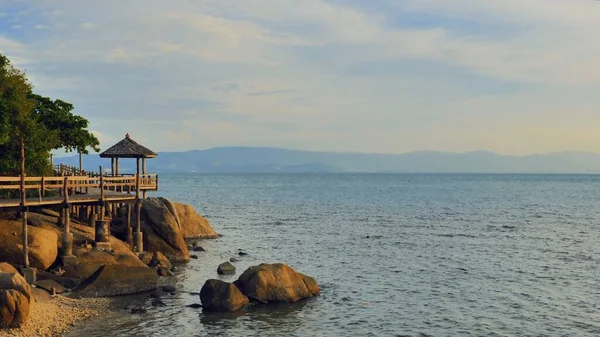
<point x="58" y="315"/>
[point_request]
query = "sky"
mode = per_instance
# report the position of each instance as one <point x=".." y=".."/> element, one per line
<point x="386" y="76"/>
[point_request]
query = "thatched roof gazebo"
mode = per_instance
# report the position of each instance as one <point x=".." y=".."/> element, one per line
<point x="127" y="148"/>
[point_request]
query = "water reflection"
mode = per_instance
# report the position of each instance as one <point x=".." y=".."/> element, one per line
<point x="287" y="317"/>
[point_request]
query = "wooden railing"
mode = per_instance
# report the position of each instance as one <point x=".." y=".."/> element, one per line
<point x="82" y="184"/>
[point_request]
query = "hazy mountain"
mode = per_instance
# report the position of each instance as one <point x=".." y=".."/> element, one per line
<point x="269" y="160"/>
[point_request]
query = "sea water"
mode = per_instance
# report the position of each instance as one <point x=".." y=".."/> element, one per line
<point x="394" y="254"/>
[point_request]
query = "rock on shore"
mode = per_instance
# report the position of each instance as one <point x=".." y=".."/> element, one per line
<point x="115" y="280"/>
<point x="42" y="244"/>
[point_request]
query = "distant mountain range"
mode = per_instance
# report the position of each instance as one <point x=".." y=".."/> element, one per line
<point x="276" y="160"/>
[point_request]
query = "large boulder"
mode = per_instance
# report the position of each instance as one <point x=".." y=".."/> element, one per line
<point x="276" y="283"/>
<point x="160" y="225"/>
<point x="14" y="308"/>
<point x="43" y="248"/>
<point x="217" y="295"/>
<point x="193" y="225"/>
<point x="17" y="282"/>
<point x="116" y="280"/>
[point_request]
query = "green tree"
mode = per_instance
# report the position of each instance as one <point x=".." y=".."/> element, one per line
<point x="36" y="123"/>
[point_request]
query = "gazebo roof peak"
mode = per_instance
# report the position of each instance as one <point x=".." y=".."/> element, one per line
<point x="128" y="148"/>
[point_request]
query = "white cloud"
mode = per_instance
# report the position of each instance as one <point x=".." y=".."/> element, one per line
<point x="275" y="72"/>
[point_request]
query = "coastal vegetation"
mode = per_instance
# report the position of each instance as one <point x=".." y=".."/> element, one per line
<point x="31" y="125"/>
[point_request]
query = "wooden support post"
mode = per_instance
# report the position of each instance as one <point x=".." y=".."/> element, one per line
<point x="129" y="228"/>
<point x="101" y="194"/>
<point x="139" y="240"/>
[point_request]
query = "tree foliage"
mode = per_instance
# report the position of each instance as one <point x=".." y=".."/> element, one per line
<point x="44" y="125"/>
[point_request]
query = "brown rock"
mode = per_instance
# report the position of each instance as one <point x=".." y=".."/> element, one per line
<point x="217" y="295"/>
<point x="48" y="285"/>
<point x="116" y="280"/>
<point x="7" y="268"/>
<point x="162" y="232"/>
<point x="89" y="261"/>
<point x="311" y="285"/>
<point x="14" y="308"/>
<point x="43" y="248"/>
<point x="275" y="283"/>
<point x="68" y="283"/>
<point x="193" y="225"/>
<point x="41" y="295"/>
<point x="159" y="260"/>
<point x="17" y="282"/>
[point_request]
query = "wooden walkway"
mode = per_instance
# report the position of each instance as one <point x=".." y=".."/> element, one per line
<point x="77" y="190"/>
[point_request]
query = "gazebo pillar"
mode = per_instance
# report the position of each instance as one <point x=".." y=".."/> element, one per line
<point x="144" y="172"/>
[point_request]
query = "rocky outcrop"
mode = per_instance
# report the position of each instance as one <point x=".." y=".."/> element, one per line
<point x="42" y="244"/>
<point x="277" y="282"/>
<point x="193" y="225"/>
<point x="90" y="260"/>
<point x="166" y="225"/>
<point x="14" y="308"/>
<point x="217" y="295"/>
<point x="160" y="225"/>
<point x="116" y="280"/>
<point x="17" y="282"/>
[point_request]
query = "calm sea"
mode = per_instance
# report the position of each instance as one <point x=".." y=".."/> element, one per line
<point x="395" y="255"/>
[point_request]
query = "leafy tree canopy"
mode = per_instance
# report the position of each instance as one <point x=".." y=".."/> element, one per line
<point x="42" y="123"/>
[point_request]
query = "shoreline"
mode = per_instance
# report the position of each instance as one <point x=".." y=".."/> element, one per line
<point x="57" y="315"/>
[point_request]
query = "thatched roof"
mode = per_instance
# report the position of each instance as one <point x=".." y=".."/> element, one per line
<point x="127" y="148"/>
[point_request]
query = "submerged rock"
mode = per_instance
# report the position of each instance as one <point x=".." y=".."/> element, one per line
<point x="226" y="268"/>
<point x="14" y="308"/>
<point x="276" y="283"/>
<point x="217" y="295"/>
<point x="194" y="305"/>
<point x="157" y="302"/>
<point x="139" y="310"/>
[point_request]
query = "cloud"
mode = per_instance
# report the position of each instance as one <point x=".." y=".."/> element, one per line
<point x="384" y="75"/>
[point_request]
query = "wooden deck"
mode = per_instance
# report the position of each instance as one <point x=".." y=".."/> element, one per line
<point x="77" y="190"/>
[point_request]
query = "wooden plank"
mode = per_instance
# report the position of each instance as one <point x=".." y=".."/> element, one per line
<point x="10" y="179"/>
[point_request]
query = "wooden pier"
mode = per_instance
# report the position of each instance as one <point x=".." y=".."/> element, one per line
<point x="94" y="196"/>
<point x="76" y="189"/>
